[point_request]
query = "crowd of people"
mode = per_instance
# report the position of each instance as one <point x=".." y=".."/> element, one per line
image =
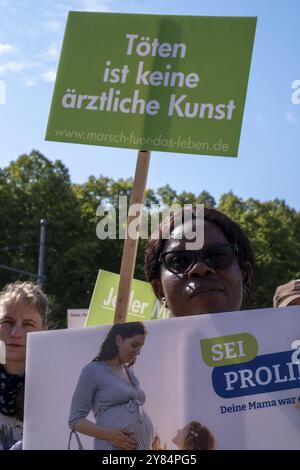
<point x="215" y="279"/>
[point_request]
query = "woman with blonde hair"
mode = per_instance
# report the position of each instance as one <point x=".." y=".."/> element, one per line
<point x="23" y="309"/>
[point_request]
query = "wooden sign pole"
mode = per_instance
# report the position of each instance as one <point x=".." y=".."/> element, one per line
<point x="130" y="245"/>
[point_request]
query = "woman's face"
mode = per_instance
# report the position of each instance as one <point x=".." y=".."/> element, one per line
<point x="202" y="289"/>
<point x="16" y="321"/>
<point x="129" y="348"/>
<point x="179" y="439"/>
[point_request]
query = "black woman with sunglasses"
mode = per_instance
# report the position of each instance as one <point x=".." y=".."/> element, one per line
<point x="194" y="282"/>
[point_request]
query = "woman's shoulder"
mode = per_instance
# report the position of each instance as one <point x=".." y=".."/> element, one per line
<point x="92" y="373"/>
<point x="94" y="366"/>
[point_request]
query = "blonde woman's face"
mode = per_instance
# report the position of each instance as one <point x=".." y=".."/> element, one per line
<point x="16" y="320"/>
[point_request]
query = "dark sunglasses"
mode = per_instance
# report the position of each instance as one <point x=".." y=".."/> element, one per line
<point x="215" y="256"/>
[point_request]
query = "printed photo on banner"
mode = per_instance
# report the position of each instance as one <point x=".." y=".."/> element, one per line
<point x="202" y="382"/>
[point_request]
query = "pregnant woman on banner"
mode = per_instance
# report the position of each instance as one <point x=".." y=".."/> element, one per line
<point x="109" y="387"/>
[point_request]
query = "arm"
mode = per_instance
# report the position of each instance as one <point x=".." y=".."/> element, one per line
<point x="120" y="438"/>
<point x="82" y="401"/>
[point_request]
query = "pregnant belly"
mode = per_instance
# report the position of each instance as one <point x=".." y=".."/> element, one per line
<point x="135" y="420"/>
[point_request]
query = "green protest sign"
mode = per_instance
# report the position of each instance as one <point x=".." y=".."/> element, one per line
<point x="143" y="304"/>
<point x="151" y="82"/>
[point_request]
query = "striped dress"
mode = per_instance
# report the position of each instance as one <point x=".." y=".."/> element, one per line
<point x="115" y="403"/>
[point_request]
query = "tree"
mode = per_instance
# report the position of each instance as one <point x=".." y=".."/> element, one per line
<point x="207" y="199"/>
<point x="274" y="231"/>
<point x="33" y="187"/>
<point x="38" y="188"/>
<point x="166" y="195"/>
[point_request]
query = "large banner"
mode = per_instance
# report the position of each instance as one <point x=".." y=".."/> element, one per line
<point x="236" y="374"/>
<point x="143" y="305"/>
<point x="151" y="82"/>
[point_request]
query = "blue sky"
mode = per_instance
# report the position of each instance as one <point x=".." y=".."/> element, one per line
<point x="268" y="163"/>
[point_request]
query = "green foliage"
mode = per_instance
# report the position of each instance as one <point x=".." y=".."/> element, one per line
<point x="274" y="231"/>
<point x="33" y="187"/>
